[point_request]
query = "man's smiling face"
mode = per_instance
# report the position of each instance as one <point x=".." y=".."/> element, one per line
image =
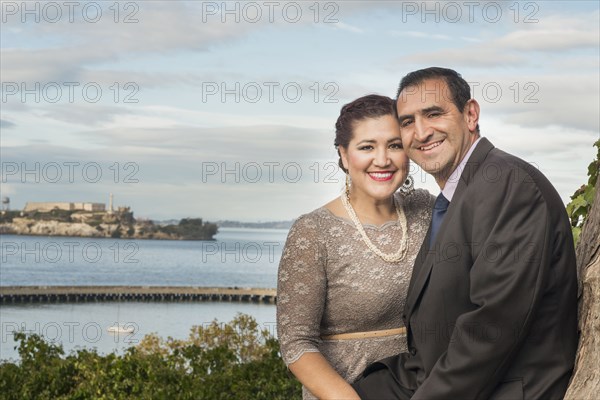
<point x="435" y="134"/>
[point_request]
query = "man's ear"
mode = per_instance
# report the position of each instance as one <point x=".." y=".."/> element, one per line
<point x="344" y="156"/>
<point x="472" y="114"/>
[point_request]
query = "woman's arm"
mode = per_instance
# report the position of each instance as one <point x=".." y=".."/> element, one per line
<point x="315" y="372"/>
<point x="301" y="294"/>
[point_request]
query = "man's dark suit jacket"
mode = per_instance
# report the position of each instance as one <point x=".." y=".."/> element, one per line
<point x="491" y="308"/>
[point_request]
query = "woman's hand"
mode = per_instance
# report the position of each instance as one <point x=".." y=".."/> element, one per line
<point x="315" y="372"/>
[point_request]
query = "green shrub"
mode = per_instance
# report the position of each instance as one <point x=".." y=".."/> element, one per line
<point x="221" y="361"/>
<point x="583" y="198"/>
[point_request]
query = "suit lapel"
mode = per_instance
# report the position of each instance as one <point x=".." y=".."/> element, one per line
<point x="426" y="257"/>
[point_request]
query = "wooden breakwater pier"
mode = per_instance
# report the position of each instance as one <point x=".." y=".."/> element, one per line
<point x="82" y="294"/>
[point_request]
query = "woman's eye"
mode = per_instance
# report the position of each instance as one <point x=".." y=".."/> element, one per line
<point x="396" y="145"/>
<point x="365" y="147"/>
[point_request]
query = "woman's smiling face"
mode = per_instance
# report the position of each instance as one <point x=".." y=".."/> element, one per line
<point x="374" y="158"/>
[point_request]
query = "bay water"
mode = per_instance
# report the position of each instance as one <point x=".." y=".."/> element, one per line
<point x="239" y="257"/>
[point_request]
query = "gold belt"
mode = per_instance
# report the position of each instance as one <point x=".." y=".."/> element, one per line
<point x="364" y="335"/>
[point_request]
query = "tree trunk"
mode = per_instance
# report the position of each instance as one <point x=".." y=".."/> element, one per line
<point x="585" y="383"/>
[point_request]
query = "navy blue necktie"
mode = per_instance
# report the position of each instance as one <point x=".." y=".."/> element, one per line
<point x="439" y="210"/>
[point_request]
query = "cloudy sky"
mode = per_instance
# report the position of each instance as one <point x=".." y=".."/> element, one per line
<point x="226" y="110"/>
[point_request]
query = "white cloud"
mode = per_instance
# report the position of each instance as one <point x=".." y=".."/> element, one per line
<point x="83" y="114"/>
<point x="420" y="34"/>
<point x="550" y="39"/>
<point x="348" y="27"/>
<point x="107" y="41"/>
<point x="552" y="34"/>
<point x="479" y="57"/>
<point x="5" y="124"/>
<point x="471" y="39"/>
<point x="276" y="179"/>
<point x="6" y="189"/>
<point x="561" y="153"/>
<point x="568" y="101"/>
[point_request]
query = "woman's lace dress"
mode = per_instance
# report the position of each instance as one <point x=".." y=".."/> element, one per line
<point x="329" y="282"/>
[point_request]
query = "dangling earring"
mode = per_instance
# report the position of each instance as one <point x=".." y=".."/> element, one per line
<point x="408" y="186"/>
<point x="348" y="186"/>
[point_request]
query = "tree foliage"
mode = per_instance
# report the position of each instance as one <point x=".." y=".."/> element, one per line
<point x="583" y="198"/>
<point x="220" y="361"/>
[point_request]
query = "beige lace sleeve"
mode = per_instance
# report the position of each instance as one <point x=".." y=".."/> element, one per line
<point x="301" y="289"/>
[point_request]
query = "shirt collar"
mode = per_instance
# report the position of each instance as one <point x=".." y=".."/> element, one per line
<point x="452" y="182"/>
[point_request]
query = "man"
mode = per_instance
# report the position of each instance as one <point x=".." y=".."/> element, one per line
<point x="491" y="308"/>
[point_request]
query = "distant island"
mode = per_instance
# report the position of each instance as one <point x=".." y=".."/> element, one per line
<point x="238" y="224"/>
<point x="256" y="225"/>
<point x="93" y="220"/>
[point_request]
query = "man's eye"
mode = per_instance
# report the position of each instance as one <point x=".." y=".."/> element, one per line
<point x="405" y="123"/>
<point x="434" y="114"/>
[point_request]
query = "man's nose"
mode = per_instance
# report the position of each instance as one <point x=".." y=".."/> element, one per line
<point x="422" y="130"/>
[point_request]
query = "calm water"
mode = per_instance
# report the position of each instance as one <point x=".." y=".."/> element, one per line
<point x="238" y="257"/>
<point x="85" y="324"/>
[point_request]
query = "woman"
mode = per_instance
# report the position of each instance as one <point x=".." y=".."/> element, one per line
<point x="345" y="268"/>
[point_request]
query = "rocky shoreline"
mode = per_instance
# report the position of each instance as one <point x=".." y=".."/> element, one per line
<point x="135" y="230"/>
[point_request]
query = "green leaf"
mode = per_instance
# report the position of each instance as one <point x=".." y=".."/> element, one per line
<point x="589" y="194"/>
<point x="576" y="233"/>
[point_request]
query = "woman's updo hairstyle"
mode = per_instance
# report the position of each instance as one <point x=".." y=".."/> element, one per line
<point x="370" y="106"/>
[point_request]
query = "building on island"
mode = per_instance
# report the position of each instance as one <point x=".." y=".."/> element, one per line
<point x="84" y="212"/>
<point x="49" y="206"/>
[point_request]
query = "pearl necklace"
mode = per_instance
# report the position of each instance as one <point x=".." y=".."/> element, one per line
<point x="394" y="257"/>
